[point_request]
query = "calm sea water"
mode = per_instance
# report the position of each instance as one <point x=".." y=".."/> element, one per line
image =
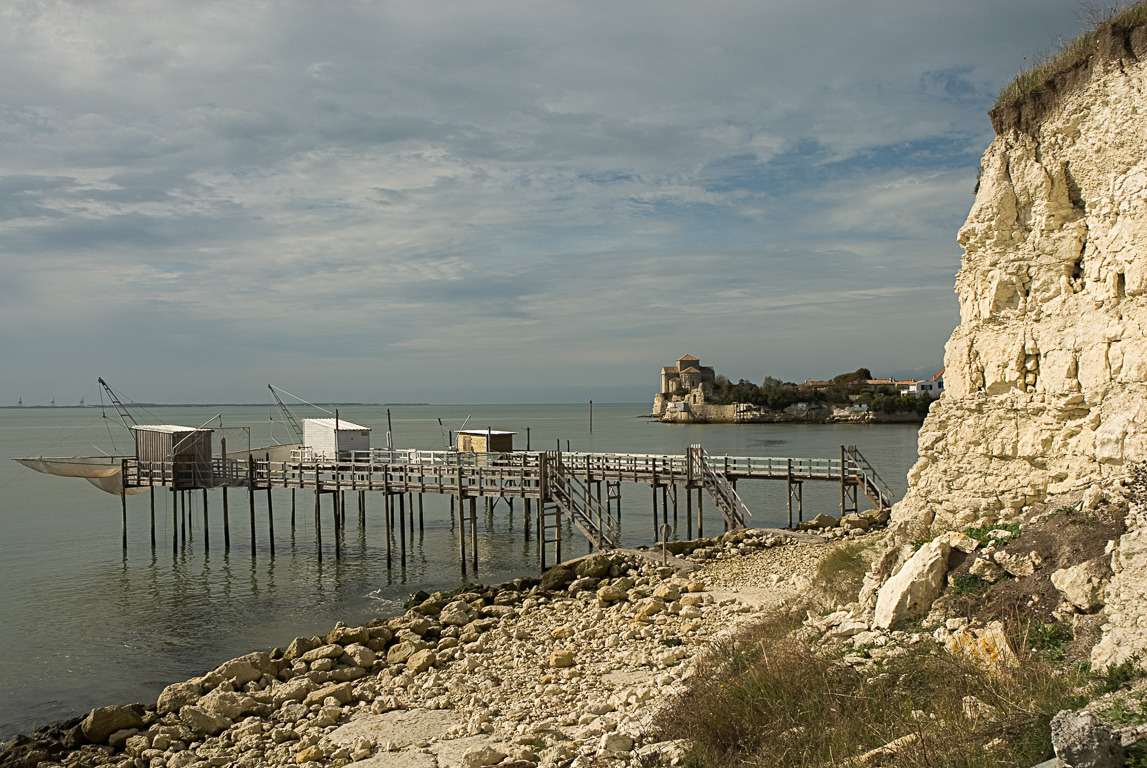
<point x="85" y="624"/>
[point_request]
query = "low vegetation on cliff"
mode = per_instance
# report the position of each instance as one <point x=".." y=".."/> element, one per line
<point x="1071" y="53"/>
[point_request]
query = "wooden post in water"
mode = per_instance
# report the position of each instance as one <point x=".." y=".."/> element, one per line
<point x="421" y="525"/>
<point x="526" y="519"/>
<point x="183" y="519"/>
<point x="700" y="514"/>
<point x="389" y="534"/>
<point x="226" y="516"/>
<point x="461" y="522"/>
<point x="402" y="527"/>
<point x="318" y="522"/>
<point x="206" y="528"/>
<point x="226" y="523"/>
<point x="251" y="496"/>
<point x="292" y="510"/>
<point x="474" y="532"/>
<point x="174" y="522"/>
<point x="123" y="504"/>
<point x="411" y="497"/>
<point x="338" y="527"/>
<point x="270" y="509"/>
<point x="153" y="517"/>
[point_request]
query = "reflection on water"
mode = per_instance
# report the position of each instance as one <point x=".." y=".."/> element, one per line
<point x="87" y="625"/>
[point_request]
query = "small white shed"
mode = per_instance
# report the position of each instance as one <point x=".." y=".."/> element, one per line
<point x="330" y="438"/>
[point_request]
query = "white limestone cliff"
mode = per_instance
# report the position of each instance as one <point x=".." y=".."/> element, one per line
<point x="1046" y="375"/>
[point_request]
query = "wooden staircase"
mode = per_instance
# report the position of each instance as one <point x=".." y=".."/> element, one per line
<point x="719" y="488"/>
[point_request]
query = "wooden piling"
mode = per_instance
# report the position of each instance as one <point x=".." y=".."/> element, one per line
<point x="474" y="532"/>
<point x="402" y="528"/>
<point x="318" y="523"/>
<point x="174" y="522"/>
<point x="153" y="517"/>
<point x="251" y="497"/>
<point x="206" y="525"/>
<point x="700" y="514"/>
<point x="421" y="524"/>
<point x="338" y="526"/>
<point x="270" y="509"/>
<point x="123" y="506"/>
<point x="389" y="533"/>
<point x="226" y="523"/>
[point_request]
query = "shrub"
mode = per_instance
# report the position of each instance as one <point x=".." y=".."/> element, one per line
<point x="767" y="699"/>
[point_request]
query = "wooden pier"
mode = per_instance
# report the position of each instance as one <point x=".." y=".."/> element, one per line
<point x="558" y="486"/>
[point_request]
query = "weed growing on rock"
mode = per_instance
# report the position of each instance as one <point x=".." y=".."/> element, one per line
<point x="967" y="584"/>
<point x="842" y="571"/>
<point x="981" y="534"/>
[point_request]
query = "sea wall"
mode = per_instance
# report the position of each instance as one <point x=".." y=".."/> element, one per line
<point x="1046" y="375"/>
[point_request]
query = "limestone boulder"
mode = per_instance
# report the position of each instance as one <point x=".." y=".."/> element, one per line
<point x="245" y="669"/>
<point x="987" y="646"/>
<point x="987" y="570"/>
<point x="202" y="722"/>
<point x="295" y="689"/>
<point x="482" y="756"/>
<point x="340" y="692"/>
<point x="909" y="593"/>
<point x="595" y="566"/>
<point x="556" y="578"/>
<point x="1018" y="564"/>
<point x="328" y="651"/>
<point x="456" y="614"/>
<point x="299" y="646"/>
<point x="359" y="656"/>
<point x="1082" y="740"/>
<point x="562" y="657"/>
<point x="400" y="652"/>
<point x="344" y="635"/>
<point x="1083" y="585"/>
<point x="823" y="522"/>
<point x="856" y="520"/>
<point x="421" y="661"/>
<point x="611" y="593"/>
<point x="178" y="695"/>
<point x="102" y="722"/>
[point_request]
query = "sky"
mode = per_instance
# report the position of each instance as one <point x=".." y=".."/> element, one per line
<point x="487" y="202"/>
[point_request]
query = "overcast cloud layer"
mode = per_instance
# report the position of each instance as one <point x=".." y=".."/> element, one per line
<point x="486" y="202"/>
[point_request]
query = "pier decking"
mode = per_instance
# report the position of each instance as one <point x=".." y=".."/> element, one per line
<point x="563" y="485"/>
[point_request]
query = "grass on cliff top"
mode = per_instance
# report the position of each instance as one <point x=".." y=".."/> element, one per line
<point x="766" y="699"/>
<point x="1070" y="52"/>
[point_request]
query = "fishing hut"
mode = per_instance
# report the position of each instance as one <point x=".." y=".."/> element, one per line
<point x="334" y="438"/>
<point x="167" y="454"/>
<point x="485" y="441"/>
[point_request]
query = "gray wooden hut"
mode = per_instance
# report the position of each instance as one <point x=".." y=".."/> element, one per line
<point x="185" y="452"/>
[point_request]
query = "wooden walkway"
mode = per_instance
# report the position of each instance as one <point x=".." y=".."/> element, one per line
<point x="563" y="486"/>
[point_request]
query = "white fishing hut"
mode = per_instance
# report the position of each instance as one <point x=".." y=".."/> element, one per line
<point x="331" y="438"/>
<point x="485" y="441"/>
<point x="187" y="450"/>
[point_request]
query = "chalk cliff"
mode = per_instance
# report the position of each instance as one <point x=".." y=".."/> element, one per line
<point x="1046" y="387"/>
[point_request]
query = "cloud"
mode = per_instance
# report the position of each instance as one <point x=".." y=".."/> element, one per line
<point x="431" y="186"/>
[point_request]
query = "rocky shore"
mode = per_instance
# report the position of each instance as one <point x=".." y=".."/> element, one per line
<point x="567" y="670"/>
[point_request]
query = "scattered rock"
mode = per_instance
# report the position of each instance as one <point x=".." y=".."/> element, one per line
<point x="102" y="722"/>
<point x="1083" y="585"/>
<point x="911" y="590"/>
<point x="1082" y="740"/>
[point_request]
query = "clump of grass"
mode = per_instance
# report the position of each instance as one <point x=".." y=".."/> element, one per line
<point x="842" y="571"/>
<point x="1069" y="53"/>
<point x="967" y="584"/>
<point x="768" y="699"/>
<point x="1049" y="639"/>
<point x="1117" y="676"/>
<point x="981" y="534"/>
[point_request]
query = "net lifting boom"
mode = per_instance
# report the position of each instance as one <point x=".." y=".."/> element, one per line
<point x="124" y="415"/>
